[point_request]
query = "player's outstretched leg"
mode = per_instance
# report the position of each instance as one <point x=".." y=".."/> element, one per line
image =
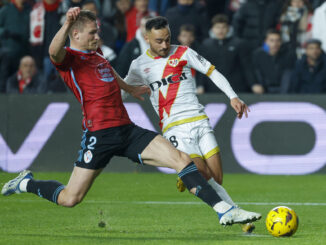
<point x="24" y="182"/>
<point x="161" y="153"/>
<point x="68" y="196"/>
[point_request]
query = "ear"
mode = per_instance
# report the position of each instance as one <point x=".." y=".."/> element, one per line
<point x="146" y="37"/>
<point x="75" y="34"/>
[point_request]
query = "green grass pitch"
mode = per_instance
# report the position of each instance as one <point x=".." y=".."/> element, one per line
<point x="146" y="208"/>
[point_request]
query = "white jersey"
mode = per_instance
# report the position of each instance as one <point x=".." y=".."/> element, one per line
<point x="172" y="83"/>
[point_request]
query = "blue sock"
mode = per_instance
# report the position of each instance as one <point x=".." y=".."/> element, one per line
<point x="48" y="189"/>
<point x="193" y="179"/>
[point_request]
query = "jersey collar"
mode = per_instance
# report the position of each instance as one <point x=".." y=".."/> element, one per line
<point x="151" y="56"/>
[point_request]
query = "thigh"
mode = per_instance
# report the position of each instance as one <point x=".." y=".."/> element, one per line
<point x="184" y="139"/>
<point x="98" y="147"/>
<point x="162" y="153"/>
<point x="136" y="141"/>
<point x="80" y="181"/>
<point x="211" y="151"/>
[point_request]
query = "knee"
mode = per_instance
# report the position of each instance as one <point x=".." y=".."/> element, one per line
<point x="182" y="160"/>
<point x="70" y="202"/>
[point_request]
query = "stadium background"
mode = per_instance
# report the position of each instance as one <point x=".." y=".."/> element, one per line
<point x="26" y="141"/>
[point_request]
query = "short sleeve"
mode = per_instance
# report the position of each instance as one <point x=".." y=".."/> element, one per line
<point x="66" y="63"/>
<point x="134" y="77"/>
<point x="198" y="62"/>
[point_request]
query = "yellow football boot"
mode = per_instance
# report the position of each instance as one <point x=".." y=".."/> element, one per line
<point x="180" y="185"/>
<point x="247" y="228"/>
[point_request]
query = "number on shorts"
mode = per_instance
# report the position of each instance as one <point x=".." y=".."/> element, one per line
<point x="174" y="141"/>
<point x="92" y="141"/>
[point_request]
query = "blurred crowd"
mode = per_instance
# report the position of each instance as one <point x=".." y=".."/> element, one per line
<point x="260" y="46"/>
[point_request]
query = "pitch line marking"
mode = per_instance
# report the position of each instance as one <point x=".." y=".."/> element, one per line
<point x="174" y="202"/>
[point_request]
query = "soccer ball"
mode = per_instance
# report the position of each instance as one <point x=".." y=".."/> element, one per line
<point x="282" y="221"/>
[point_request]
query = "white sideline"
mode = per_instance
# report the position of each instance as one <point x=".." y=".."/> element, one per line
<point x="174" y="202"/>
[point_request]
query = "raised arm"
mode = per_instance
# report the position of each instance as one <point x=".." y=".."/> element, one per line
<point x="56" y="50"/>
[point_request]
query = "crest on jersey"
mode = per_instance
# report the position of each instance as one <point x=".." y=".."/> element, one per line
<point x="104" y="72"/>
<point x="173" y="62"/>
<point x="88" y="155"/>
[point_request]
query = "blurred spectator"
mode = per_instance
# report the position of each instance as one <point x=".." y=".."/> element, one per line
<point x="187" y="37"/>
<point x="214" y="7"/>
<point x="26" y="80"/>
<point x="134" y="15"/>
<point x="133" y="49"/>
<point x="107" y="32"/>
<point x="232" y="6"/>
<point x="273" y="65"/>
<point x="2" y="3"/>
<point x="188" y="12"/>
<point x="14" y="20"/>
<point x="319" y="26"/>
<point x="119" y="22"/>
<point x="309" y="75"/>
<point x="44" y="24"/>
<point x="229" y="55"/>
<point x="295" y="24"/>
<point x="160" y="6"/>
<point x="254" y="18"/>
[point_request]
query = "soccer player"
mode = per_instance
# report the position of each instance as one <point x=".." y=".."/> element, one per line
<point x="168" y="71"/>
<point x="108" y="129"/>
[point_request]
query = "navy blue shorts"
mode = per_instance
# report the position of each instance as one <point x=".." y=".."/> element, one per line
<point x="98" y="147"/>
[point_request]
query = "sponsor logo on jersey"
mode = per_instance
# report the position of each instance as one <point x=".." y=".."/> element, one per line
<point x="147" y="70"/>
<point x="104" y="73"/>
<point x="88" y="155"/>
<point x="175" y="78"/>
<point x="201" y="59"/>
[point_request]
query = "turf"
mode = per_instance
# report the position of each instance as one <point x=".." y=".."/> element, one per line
<point x="144" y="208"/>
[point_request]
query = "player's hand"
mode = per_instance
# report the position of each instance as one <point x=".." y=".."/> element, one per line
<point x="138" y="91"/>
<point x="240" y="107"/>
<point x="72" y="15"/>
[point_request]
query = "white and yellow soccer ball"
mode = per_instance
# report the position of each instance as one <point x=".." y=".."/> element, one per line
<point x="282" y="221"/>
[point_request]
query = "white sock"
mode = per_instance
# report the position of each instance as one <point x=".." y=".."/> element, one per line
<point x="221" y="207"/>
<point x="23" y="185"/>
<point x="221" y="191"/>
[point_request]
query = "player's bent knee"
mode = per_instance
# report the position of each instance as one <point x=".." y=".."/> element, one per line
<point x="70" y="202"/>
<point x="182" y="160"/>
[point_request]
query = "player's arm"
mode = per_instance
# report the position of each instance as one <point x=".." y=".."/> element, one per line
<point x="135" y="91"/>
<point x="222" y="83"/>
<point x="57" y="51"/>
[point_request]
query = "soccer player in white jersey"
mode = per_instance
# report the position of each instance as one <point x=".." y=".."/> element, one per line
<point x="169" y="72"/>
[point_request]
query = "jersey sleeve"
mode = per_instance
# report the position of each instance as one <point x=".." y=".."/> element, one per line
<point x="198" y="62"/>
<point x="66" y="63"/>
<point x="134" y="76"/>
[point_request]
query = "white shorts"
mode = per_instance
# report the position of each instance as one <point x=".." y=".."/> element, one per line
<point x="195" y="138"/>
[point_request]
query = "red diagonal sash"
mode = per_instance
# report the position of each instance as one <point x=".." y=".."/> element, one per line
<point x="173" y="68"/>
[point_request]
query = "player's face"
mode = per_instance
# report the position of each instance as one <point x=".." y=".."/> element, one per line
<point x="88" y="38"/>
<point x="313" y="51"/>
<point x="159" y="41"/>
<point x="220" y="30"/>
